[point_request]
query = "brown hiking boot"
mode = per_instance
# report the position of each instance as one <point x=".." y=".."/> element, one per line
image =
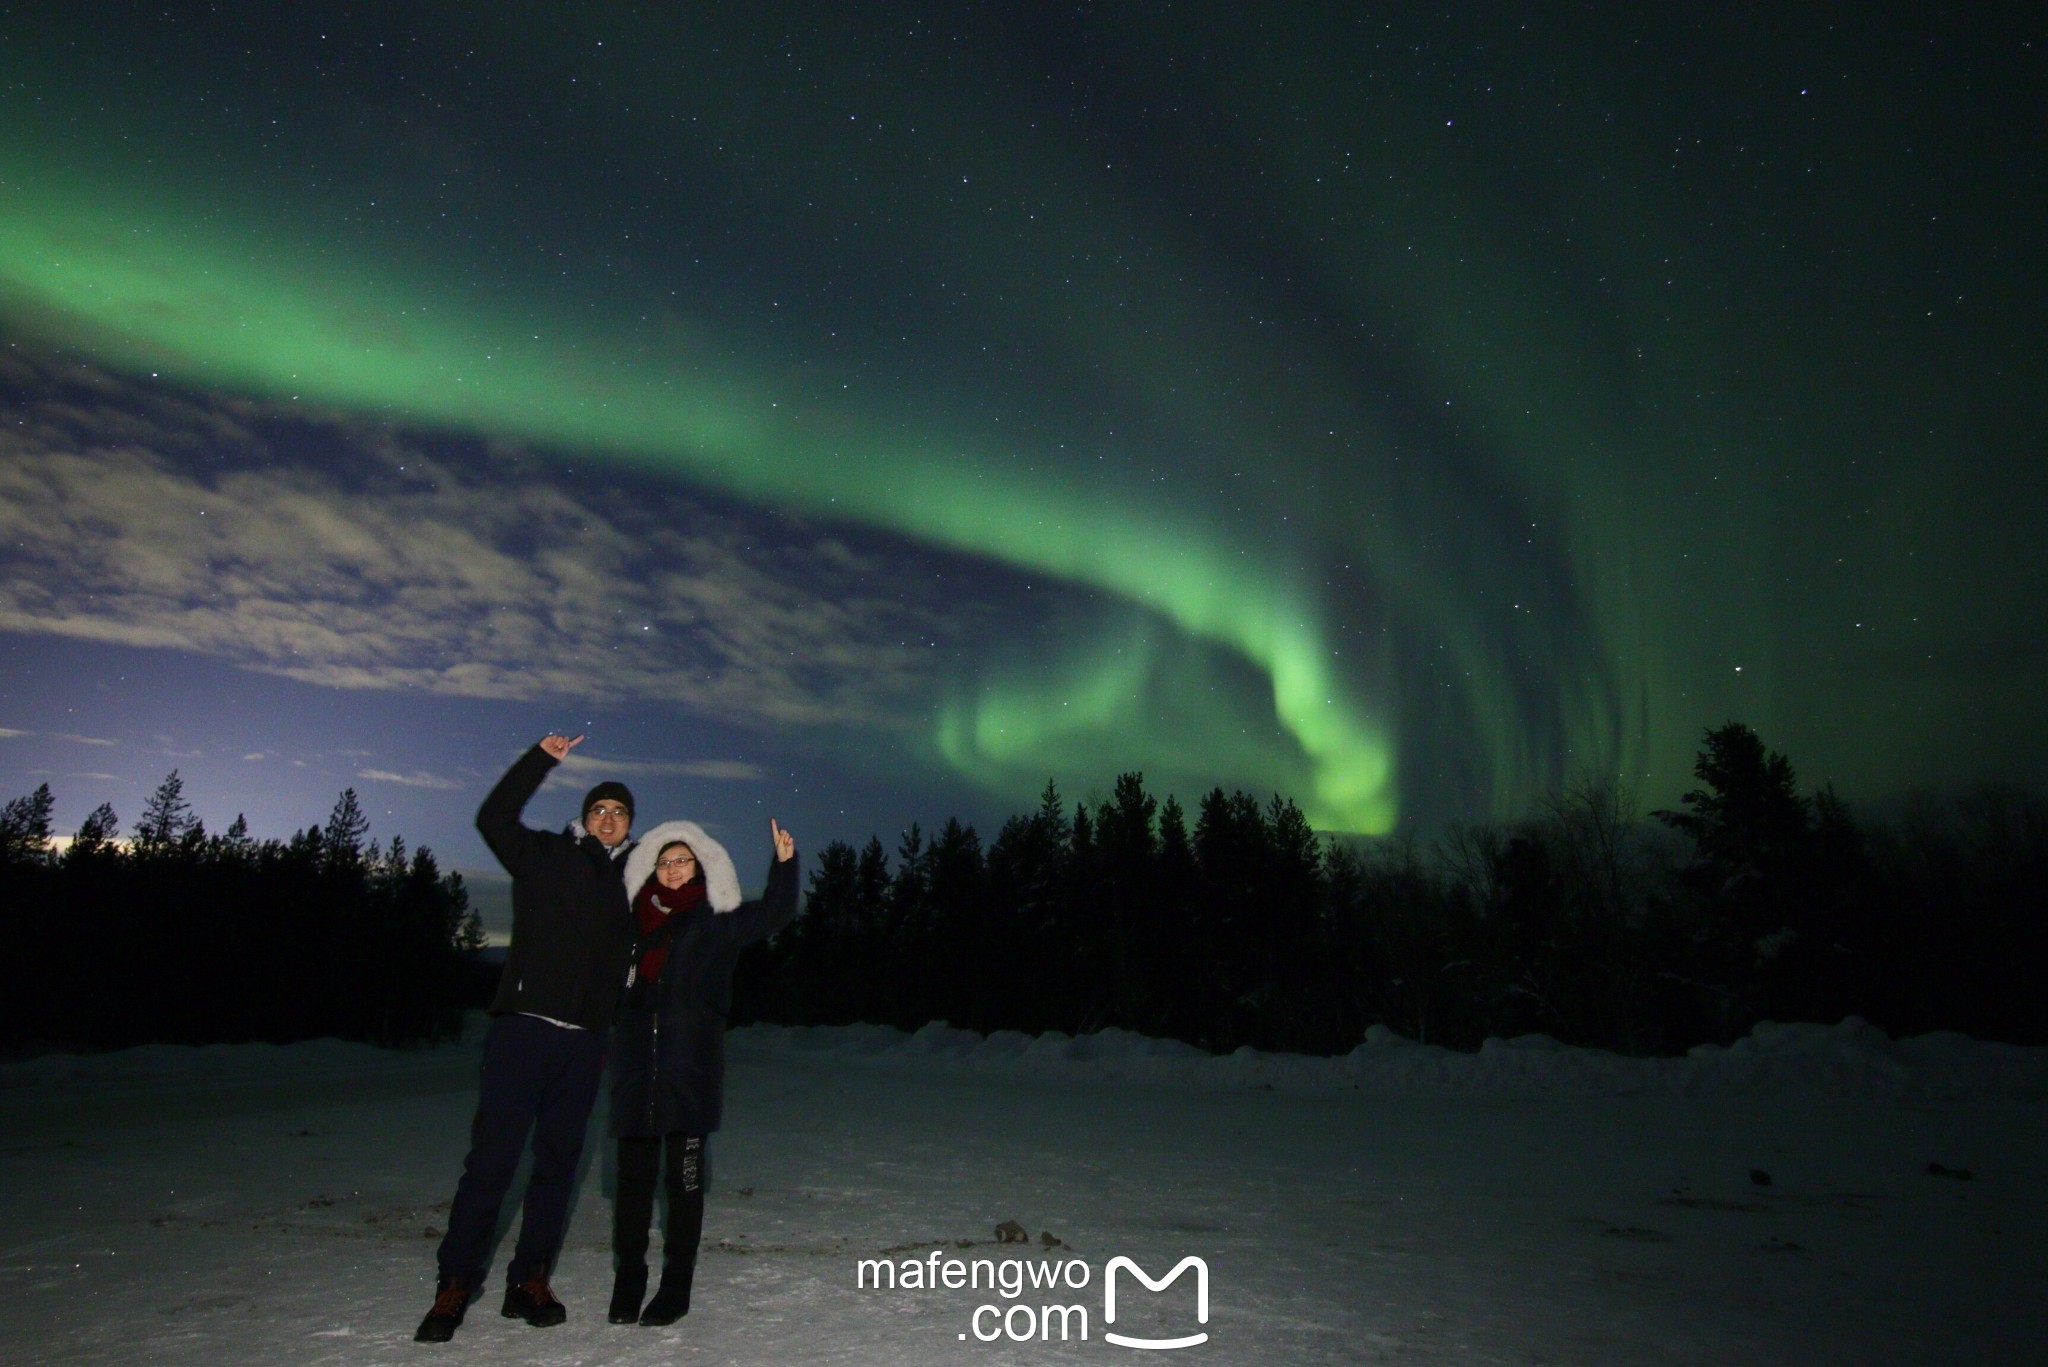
<point x="450" y="1303"/>
<point x="533" y="1301"/>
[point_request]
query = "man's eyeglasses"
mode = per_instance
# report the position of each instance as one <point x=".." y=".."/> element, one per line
<point x="609" y="813"/>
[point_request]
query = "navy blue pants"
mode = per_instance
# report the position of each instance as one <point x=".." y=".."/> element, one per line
<point x="537" y="1078"/>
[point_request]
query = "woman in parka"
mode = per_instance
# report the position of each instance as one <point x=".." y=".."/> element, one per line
<point x="668" y="1047"/>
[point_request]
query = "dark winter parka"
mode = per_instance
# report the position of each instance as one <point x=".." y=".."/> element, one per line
<point x="668" y="1049"/>
<point x="572" y="930"/>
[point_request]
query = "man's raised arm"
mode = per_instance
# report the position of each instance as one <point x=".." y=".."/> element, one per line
<point x="498" y="819"/>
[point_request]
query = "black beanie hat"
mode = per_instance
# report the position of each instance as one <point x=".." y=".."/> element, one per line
<point x="613" y="789"/>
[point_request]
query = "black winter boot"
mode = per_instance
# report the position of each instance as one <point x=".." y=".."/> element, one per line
<point x="672" y="1301"/>
<point x="451" y="1302"/>
<point x="629" y="1288"/>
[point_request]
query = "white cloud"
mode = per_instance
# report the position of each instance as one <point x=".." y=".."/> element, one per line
<point x="580" y="770"/>
<point x="255" y="754"/>
<point x="80" y="740"/>
<point x="724" y="771"/>
<point x="383" y="568"/>
<point x="582" y="764"/>
<point x="416" y="779"/>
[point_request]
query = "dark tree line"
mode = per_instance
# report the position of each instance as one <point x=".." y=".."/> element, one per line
<point x="1748" y="901"/>
<point x="179" y="936"/>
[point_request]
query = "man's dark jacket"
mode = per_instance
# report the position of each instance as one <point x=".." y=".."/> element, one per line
<point x="572" y="931"/>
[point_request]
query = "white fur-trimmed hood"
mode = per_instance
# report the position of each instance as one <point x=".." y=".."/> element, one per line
<point x="721" y="881"/>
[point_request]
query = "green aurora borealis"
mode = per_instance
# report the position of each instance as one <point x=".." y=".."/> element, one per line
<point x="1510" y="395"/>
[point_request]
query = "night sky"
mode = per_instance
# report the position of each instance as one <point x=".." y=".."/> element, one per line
<point x="864" y="413"/>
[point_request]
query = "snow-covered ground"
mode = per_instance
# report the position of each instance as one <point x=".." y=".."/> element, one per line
<point x="1813" y="1195"/>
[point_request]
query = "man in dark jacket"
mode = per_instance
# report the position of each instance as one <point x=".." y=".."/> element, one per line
<point x="572" y="937"/>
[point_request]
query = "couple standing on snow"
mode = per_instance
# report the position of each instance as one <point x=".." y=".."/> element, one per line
<point x="594" y="917"/>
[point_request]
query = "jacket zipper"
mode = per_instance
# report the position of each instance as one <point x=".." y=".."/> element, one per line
<point x="653" y="1067"/>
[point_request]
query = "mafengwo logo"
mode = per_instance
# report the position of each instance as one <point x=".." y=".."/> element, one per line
<point x="1201" y="1300"/>
<point x="1023" y="1321"/>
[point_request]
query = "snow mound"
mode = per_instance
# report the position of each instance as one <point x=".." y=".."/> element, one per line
<point x="1852" y="1059"/>
<point x="213" y="1065"/>
<point x="190" y="1065"/>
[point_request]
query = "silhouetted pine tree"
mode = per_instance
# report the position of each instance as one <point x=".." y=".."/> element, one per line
<point x="342" y="838"/>
<point x="907" y="965"/>
<point x="956" y="939"/>
<point x="1294" y="1004"/>
<point x="1125" y="923"/>
<point x="1749" y="827"/>
<point x="817" y="950"/>
<point x="25" y="826"/>
<point x="1233" y="851"/>
<point x="1180" y="973"/>
<point x="1029" y="973"/>
<point x="166" y="817"/>
<point x="100" y="829"/>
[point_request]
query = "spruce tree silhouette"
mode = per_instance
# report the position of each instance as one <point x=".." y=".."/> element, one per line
<point x="96" y="833"/>
<point x="166" y="817"/>
<point x="25" y="825"/>
<point x="1749" y="819"/>
<point x="1751" y="830"/>
<point x="342" y="838"/>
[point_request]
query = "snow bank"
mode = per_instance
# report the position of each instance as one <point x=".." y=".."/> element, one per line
<point x="1851" y="1060"/>
<point x="184" y="1065"/>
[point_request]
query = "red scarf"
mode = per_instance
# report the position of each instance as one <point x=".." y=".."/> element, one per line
<point x="651" y="908"/>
